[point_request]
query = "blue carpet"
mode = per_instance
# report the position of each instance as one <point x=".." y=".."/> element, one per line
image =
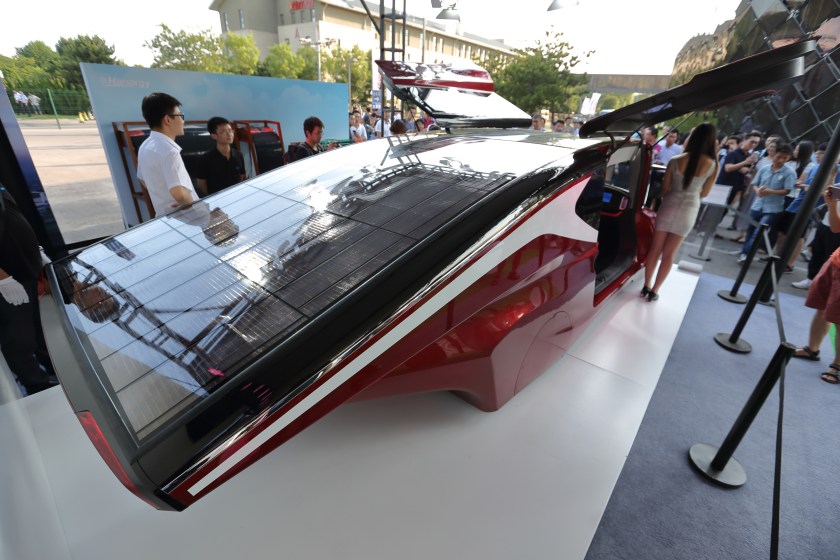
<point x="662" y="509"/>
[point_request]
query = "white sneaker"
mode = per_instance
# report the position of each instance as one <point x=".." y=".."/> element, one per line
<point x="742" y="258"/>
<point x="802" y="284"/>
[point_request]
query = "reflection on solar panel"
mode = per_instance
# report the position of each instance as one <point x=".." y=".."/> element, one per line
<point x="171" y="310"/>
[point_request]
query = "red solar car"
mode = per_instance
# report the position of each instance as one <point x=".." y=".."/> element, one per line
<point x="463" y="260"/>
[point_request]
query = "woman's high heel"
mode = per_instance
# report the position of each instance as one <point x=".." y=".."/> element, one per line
<point x="645" y="291"/>
<point x="652" y="296"/>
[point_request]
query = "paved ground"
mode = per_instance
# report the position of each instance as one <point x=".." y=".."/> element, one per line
<point x="71" y="164"/>
<point x="72" y="167"/>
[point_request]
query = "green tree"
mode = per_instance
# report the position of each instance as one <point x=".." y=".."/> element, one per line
<point x="199" y="52"/>
<point x="359" y="61"/>
<point x="540" y="77"/>
<point x="309" y="56"/>
<point x="82" y="48"/>
<point x="21" y="72"/>
<point x="241" y="54"/>
<point x="282" y="62"/>
<point x="40" y="53"/>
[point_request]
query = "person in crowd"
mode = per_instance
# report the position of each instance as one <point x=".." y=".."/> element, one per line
<point x="537" y="122"/>
<point x="398" y="127"/>
<point x="222" y="166"/>
<point x="802" y="165"/>
<point x="736" y="170"/>
<point x="383" y="125"/>
<point x="741" y="222"/>
<point x="34" y="103"/>
<point x="688" y="178"/>
<point x="557" y="126"/>
<point x="668" y="147"/>
<point x="420" y="125"/>
<point x="568" y="126"/>
<point x="358" y="133"/>
<point x="824" y="298"/>
<point x="313" y="130"/>
<point x="825" y="241"/>
<point x="159" y="165"/>
<point x="21" y="336"/>
<point x="428" y="120"/>
<point x="409" y="120"/>
<point x="20" y="101"/>
<point x="649" y="135"/>
<point x="367" y="117"/>
<point x="771" y="184"/>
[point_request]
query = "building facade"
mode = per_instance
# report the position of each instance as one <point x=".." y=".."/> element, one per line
<point x="345" y="23"/>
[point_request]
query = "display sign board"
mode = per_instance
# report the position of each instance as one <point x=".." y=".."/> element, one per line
<point x="298" y="5"/>
<point x="116" y="93"/>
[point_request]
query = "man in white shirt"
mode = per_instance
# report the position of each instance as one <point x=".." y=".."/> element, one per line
<point x="159" y="165"/>
<point x="668" y="148"/>
<point x="358" y="133"/>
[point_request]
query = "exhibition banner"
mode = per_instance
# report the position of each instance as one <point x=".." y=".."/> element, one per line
<point x="116" y="93"/>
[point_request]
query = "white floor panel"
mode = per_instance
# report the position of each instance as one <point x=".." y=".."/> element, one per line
<point x="634" y="337"/>
<point x="417" y="477"/>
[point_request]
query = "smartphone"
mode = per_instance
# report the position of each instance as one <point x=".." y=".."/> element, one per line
<point x="834" y="190"/>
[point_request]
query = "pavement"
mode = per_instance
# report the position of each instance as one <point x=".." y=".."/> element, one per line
<point x="71" y="164"/>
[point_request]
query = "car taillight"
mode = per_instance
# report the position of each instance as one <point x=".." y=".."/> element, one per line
<point x="107" y="454"/>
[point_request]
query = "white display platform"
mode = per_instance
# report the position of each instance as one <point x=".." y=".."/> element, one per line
<point x="417" y="477"/>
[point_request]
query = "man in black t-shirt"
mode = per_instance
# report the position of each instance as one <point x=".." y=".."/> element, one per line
<point x="313" y="130"/>
<point x="737" y="165"/>
<point x="21" y="337"/>
<point x="223" y="165"/>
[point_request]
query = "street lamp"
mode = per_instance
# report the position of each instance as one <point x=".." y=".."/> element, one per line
<point x="350" y="62"/>
<point x="308" y="41"/>
<point x="449" y="13"/>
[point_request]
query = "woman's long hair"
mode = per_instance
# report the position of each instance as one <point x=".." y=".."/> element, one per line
<point x="700" y="142"/>
<point x="805" y="150"/>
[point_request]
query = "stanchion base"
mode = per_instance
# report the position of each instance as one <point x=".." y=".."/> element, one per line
<point x="741" y="346"/>
<point x="727" y="295"/>
<point x="733" y="474"/>
<point x="700" y="257"/>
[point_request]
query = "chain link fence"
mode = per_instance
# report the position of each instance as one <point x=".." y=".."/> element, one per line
<point x="50" y="102"/>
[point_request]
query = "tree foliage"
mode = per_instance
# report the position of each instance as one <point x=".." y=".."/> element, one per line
<point x="199" y="52"/>
<point x="36" y="65"/>
<point x="540" y="77"/>
<point x="241" y="54"/>
<point x="82" y="48"/>
<point x="335" y="67"/>
<point x="282" y="62"/>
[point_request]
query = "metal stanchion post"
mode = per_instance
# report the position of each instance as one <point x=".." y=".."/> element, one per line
<point x="733" y="295"/>
<point x="717" y="464"/>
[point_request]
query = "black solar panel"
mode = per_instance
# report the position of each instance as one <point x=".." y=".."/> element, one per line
<point x="173" y="309"/>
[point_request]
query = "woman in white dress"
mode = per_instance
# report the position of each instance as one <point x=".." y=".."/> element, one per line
<point x="688" y="178"/>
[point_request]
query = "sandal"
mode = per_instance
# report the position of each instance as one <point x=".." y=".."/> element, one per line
<point x="807" y="354"/>
<point x="832" y="375"/>
<point x="645" y="291"/>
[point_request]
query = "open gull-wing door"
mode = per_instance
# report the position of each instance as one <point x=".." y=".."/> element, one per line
<point x="456" y="96"/>
<point x="754" y="76"/>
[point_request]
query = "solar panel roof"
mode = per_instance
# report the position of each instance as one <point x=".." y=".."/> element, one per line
<point x="172" y="309"/>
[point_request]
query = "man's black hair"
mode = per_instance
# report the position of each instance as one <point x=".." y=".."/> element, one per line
<point x="157" y="105"/>
<point x="214" y="123"/>
<point x="822" y="147"/>
<point x="310" y="124"/>
<point x="784" y="149"/>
